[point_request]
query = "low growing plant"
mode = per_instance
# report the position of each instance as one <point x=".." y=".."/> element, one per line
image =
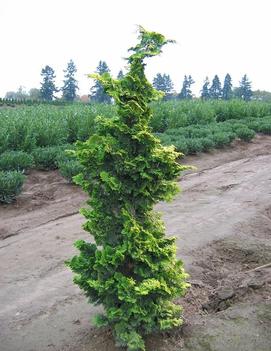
<point x="69" y="169"/>
<point x="15" y="160"/>
<point x="11" y="183"/>
<point x="131" y="269"/>
<point x="48" y="158"/>
<point x="245" y="133"/>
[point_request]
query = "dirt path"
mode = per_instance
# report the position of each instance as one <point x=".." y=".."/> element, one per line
<point x="222" y="221"/>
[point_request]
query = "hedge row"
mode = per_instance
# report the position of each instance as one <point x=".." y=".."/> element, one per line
<point x="200" y="138"/>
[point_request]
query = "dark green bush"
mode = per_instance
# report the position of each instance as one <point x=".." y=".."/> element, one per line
<point x="245" y="133"/>
<point x="46" y="158"/>
<point x="11" y="183"/>
<point x="181" y="146"/>
<point x="194" y="145"/>
<point x="15" y="160"/>
<point x="207" y="144"/>
<point x="69" y="169"/>
<point x="221" y="139"/>
<point x="265" y="128"/>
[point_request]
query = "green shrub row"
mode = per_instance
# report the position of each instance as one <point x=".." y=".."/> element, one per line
<point x="14" y="163"/>
<point x="26" y="128"/>
<point x="177" y="114"/>
<point x="200" y="138"/>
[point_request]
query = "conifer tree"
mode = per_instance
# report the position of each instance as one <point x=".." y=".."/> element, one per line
<point x="131" y="268"/>
<point x="70" y="84"/>
<point x="227" y="88"/>
<point x="48" y="87"/>
<point x="245" y="91"/>
<point x="120" y="74"/>
<point x="205" y="93"/>
<point x="186" y="92"/>
<point x="163" y="83"/>
<point x="97" y="91"/>
<point x="215" y="90"/>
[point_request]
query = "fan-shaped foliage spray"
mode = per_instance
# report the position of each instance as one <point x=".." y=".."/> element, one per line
<point x="131" y="269"/>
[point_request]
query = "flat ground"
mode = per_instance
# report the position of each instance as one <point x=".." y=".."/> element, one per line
<point x="222" y="221"/>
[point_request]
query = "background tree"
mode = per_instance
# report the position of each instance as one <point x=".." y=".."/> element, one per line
<point x="12" y="95"/>
<point x="120" y="74"/>
<point x="98" y="93"/>
<point x="261" y="95"/>
<point x="131" y="268"/>
<point x="245" y="91"/>
<point x="48" y="87"/>
<point x="70" y="83"/>
<point x="215" y="89"/>
<point x="205" y="93"/>
<point x="227" y="92"/>
<point x="163" y="83"/>
<point x="186" y="92"/>
<point x="34" y="94"/>
<point x="20" y="94"/>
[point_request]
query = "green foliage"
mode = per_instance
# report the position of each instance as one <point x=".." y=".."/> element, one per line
<point x="245" y="133"/>
<point x="205" y="91"/>
<point x="163" y="83"/>
<point x="203" y="137"/>
<point x="11" y="183"/>
<point x="28" y="127"/>
<point x="244" y="90"/>
<point x="48" y="87"/>
<point x="131" y="269"/>
<point x="70" y="84"/>
<point x="186" y="92"/>
<point x="265" y="127"/>
<point x="49" y="157"/>
<point x="70" y="168"/>
<point x="215" y="91"/>
<point x="15" y="160"/>
<point x="98" y="93"/>
<point x="227" y="88"/>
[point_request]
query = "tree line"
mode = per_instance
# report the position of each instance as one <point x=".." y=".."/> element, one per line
<point x="162" y="82"/>
<point x="210" y="90"/>
<point x="48" y="88"/>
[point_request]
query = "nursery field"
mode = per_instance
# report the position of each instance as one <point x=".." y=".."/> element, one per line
<point x="37" y="136"/>
<point x="222" y="224"/>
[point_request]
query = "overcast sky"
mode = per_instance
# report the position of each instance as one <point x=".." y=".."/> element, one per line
<point x="213" y="37"/>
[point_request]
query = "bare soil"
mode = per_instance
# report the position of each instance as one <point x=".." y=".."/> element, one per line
<point x="222" y="222"/>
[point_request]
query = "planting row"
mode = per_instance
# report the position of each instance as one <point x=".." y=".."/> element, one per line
<point x="26" y="128"/>
<point x="201" y="138"/>
<point x="188" y="140"/>
<point x="14" y="165"/>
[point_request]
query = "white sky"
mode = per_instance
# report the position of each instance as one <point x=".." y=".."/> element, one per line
<point x="213" y="37"/>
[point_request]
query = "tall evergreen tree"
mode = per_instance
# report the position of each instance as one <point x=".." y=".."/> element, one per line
<point x="48" y="87"/>
<point x="130" y="266"/>
<point x="245" y="89"/>
<point x="227" y="88"/>
<point x="97" y="91"/>
<point x="215" y="90"/>
<point x="120" y="74"/>
<point x="163" y="83"/>
<point x="70" y="83"/>
<point x="205" y="93"/>
<point x="186" y="92"/>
